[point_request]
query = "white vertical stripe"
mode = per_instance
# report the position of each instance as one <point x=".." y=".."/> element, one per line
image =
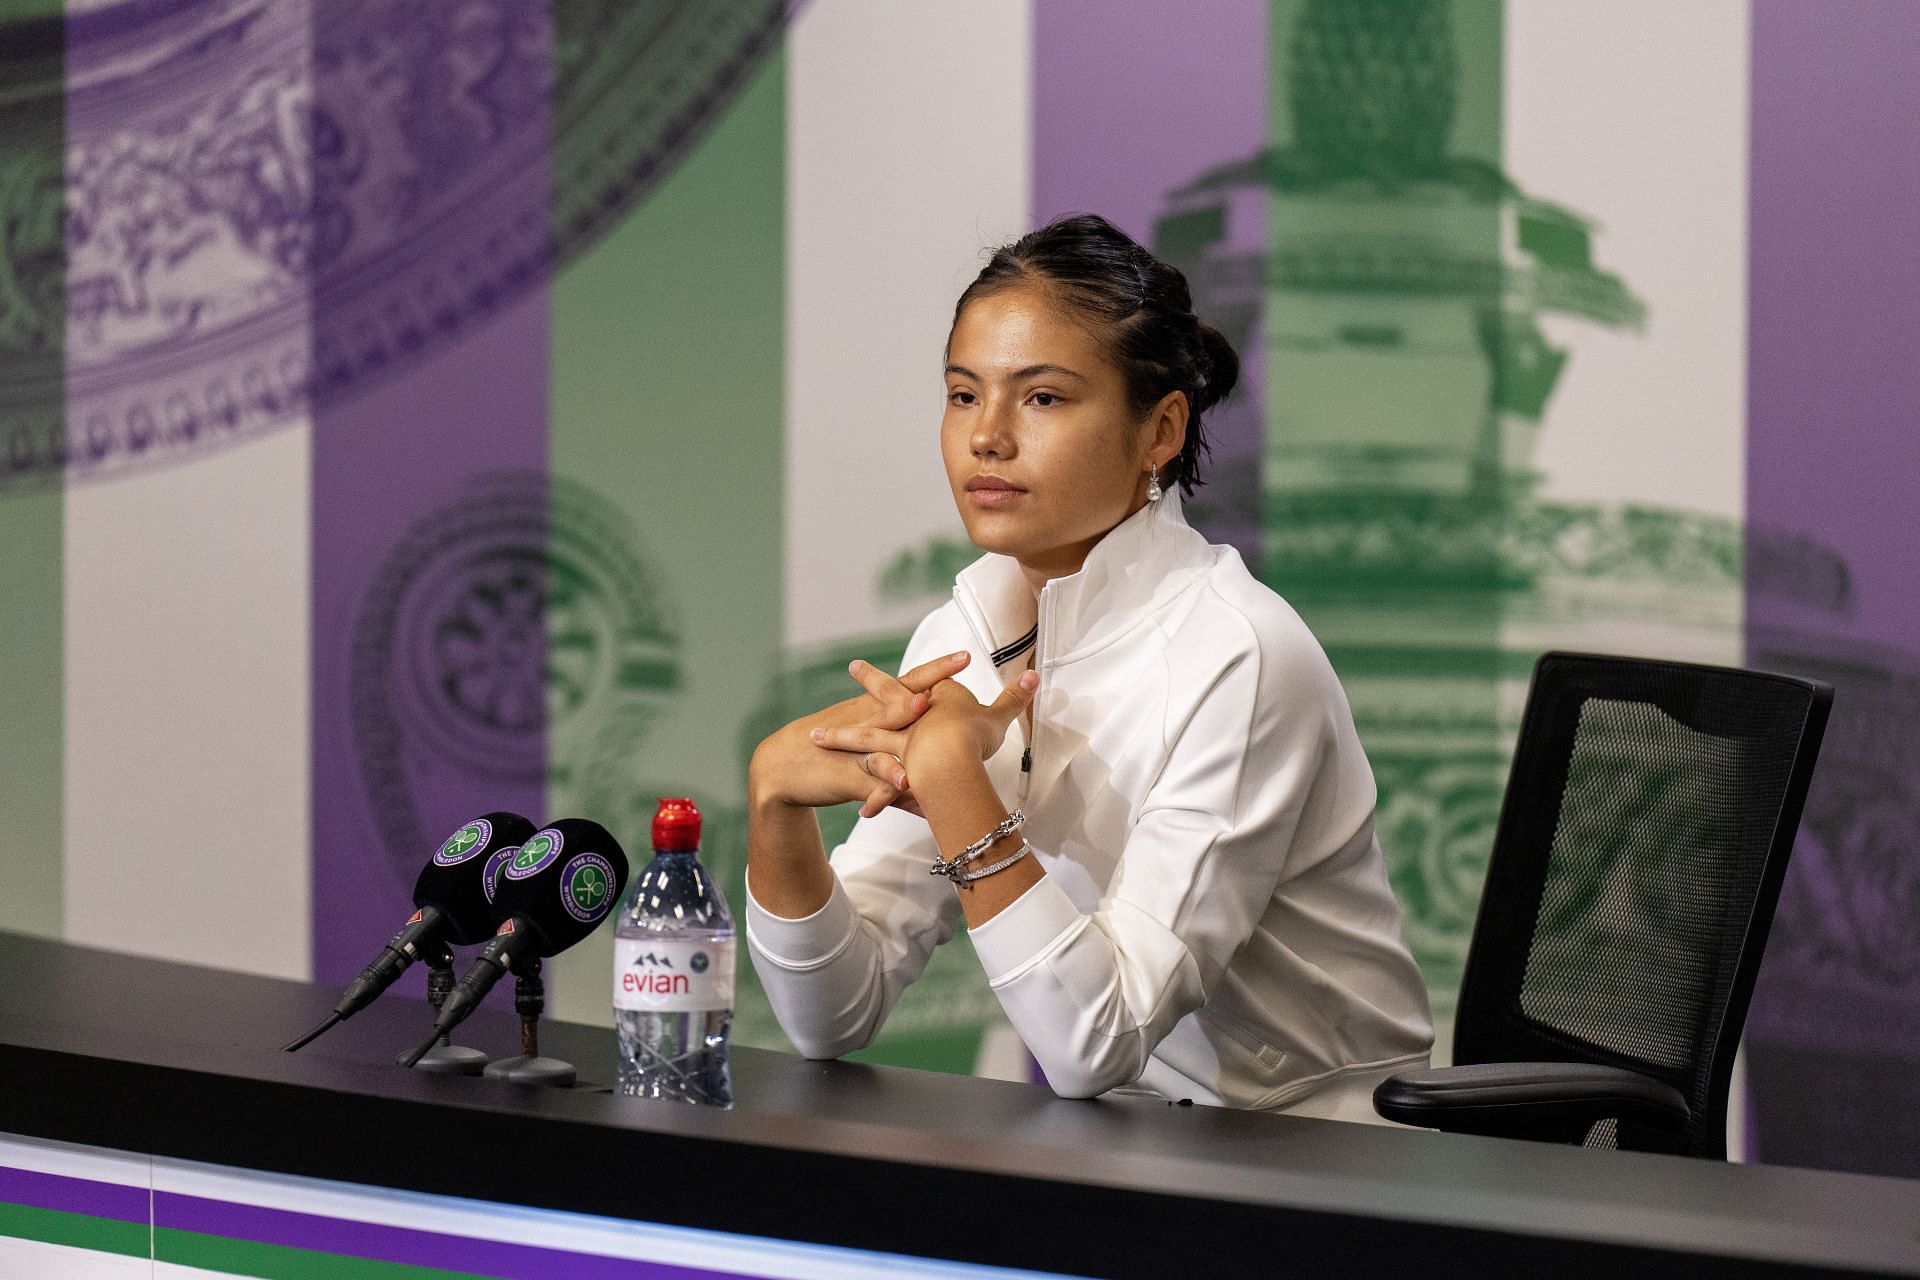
<point x="1635" y="114"/>
<point x="909" y="146"/>
<point x="1737" y="1107"/>
<point x="187" y="605"/>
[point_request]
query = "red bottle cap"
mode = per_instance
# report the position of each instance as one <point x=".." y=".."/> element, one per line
<point x="676" y="825"/>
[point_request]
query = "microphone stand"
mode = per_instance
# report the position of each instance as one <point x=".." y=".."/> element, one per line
<point x="446" y="1058"/>
<point x="529" y="1001"/>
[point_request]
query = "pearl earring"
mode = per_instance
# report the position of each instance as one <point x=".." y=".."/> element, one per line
<point x="1153" y="484"/>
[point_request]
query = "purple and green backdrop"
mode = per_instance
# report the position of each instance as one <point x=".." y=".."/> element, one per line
<point x="412" y="411"/>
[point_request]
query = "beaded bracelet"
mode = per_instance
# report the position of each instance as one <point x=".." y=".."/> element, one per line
<point x="951" y="867"/>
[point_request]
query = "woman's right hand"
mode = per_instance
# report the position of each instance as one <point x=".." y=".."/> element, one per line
<point x="789" y="767"/>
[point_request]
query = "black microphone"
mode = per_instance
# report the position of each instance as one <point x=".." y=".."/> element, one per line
<point x="550" y="893"/>
<point x="455" y="906"/>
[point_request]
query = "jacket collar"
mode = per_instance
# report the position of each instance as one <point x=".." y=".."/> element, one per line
<point x="1143" y="562"/>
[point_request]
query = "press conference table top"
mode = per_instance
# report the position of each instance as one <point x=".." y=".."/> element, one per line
<point x="167" y="1059"/>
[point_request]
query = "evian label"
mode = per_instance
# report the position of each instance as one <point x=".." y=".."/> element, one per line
<point x="656" y="975"/>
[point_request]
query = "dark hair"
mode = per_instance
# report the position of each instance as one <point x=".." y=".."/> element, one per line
<point x="1137" y="305"/>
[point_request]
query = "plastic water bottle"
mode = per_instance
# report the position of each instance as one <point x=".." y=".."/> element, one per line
<point x="673" y="971"/>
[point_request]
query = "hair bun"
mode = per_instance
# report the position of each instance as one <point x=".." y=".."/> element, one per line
<point x="1218" y="363"/>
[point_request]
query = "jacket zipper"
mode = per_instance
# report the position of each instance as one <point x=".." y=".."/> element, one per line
<point x="1040" y="691"/>
<point x="1026" y="754"/>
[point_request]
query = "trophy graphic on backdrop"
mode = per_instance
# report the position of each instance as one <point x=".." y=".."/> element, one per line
<point x="1395" y="278"/>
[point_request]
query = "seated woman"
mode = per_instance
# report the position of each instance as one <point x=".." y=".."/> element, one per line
<point x="1118" y="756"/>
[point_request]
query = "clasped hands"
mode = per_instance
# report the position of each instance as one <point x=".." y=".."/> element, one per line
<point x="867" y="747"/>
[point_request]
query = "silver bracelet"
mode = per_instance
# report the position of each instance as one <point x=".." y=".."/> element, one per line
<point x="951" y="867"/>
<point x="1007" y="827"/>
<point x="966" y="881"/>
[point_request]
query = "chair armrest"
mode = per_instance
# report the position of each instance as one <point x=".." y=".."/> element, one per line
<point x="1545" y="1101"/>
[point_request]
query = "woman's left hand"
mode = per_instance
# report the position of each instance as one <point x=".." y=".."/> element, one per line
<point x="956" y="725"/>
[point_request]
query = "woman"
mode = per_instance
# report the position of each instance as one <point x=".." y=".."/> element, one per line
<point x="1195" y="903"/>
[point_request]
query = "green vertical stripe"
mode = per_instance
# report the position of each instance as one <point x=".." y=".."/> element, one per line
<point x="32" y="378"/>
<point x="75" y="1230"/>
<point x="1389" y="476"/>
<point x="667" y="444"/>
<point x="279" y="1262"/>
<point x="30" y="746"/>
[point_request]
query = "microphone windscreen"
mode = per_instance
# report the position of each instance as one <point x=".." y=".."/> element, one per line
<point x="564" y="880"/>
<point x="454" y="879"/>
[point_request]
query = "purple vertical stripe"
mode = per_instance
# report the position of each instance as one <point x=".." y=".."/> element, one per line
<point x="1833" y="456"/>
<point x="383" y="1243"/>
<point x="1835" y="292"/>
<point x="430" y="338"/>
<point x="384" y="464"/>
<point x="1132" y="102"/>
<point x="74" y="1195"/>
<point x="1135" y="98"/>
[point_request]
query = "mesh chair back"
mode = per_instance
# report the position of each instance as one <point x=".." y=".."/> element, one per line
<point x="1642" y="841"/>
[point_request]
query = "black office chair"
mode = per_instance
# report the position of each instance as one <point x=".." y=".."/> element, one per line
<point x="1642" y="841"/>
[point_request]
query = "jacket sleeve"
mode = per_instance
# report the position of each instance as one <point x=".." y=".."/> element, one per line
<point x="1093" y="995"/>
<point x="833" y="976"/>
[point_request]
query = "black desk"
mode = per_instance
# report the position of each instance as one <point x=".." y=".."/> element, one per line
<point x="170" y="1060"/>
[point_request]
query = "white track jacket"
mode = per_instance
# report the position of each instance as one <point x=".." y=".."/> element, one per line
<point x="1215" y="921"/>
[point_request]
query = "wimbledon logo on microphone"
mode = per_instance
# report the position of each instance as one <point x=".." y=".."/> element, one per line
<point x="536" y="855"/>
<point x="464" y="843"/>
<point x="587" y="887"/>
<point x="490" y="874"/>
